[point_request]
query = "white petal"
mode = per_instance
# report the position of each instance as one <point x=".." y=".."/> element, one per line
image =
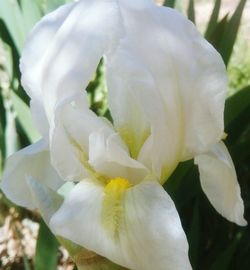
<point x="46" y="200"/>
<point x="219" y="182"/>
<point x="140" y="115"/>
<point x="200" y="77"/>
<point x="109" y="156"/>
<point x="150" y="234"/>
<point x="139" y="4"/>
<point x="179" y="73"/>
<point x="34" y="161"/>
<point x="34" y="51"/>
<point x="70" y="43"/>
<point x="70" y="140"/>
<point x="39" y="118"/>
<point x="89" y="145"/>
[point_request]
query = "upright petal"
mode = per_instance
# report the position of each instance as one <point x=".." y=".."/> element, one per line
<point x="219" y="182"/>
<point x="34" y="51"/>
<point x="199" y="74"/>
<point x="149" y="236"/>
<point x="175" y="71"/>
<point x="34" y="161"/>
<point x="141" y="115"/>
<point x="65" y="47"/>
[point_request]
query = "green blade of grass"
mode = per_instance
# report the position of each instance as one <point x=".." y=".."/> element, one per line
<point x="11" y="14"/>
<point x="31" y="13"/>
<point x="46" y="249"/>
<point x="213" y="19"/>
<point x="224" y="259"/>
<point x="217" y="33"/>
<point x="194" y="235"/>
<point x="7" y="39"/>
<point x="191" y="11"/>
<point x="230" y="33"/>
<point x="237" y="111"/>
<point x="236" y="104"/>
<point x="169" y="3"/>
<point x="24" y="117"/>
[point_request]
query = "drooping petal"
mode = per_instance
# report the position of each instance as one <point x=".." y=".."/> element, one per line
<point x="64" y="49"/>
<point x="149" y="233"/>
<point x="34" y="161"/>
<point x="219" y="182"/>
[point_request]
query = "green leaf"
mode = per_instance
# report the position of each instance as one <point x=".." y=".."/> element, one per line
<point x="217" y="33"/>
<point x="223" y="260"/>
<point x="46" y="249"/>
<point x="169" y="3"/>
<point x="53" y="4"/>
<point x="26" y="262"/>
<point x="237" y="111"/>
<point x="194" y="236"/>
<point x="191" y="11"/>
<point x="2" y="128"/>
<point x="11" y="14"/>
<point x="10" y="133"/>
<point x="31" y="13"/>
<point x="24" y="117"/>
<point x="236" y="104"/>
<point x="213" y="19"/>
<point x="230" y="33"/>
<point x="8" y="40"/>
<point x="177" y="4"/>
<point x="183" y="184"/>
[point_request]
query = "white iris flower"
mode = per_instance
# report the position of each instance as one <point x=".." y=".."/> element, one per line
<point x="166" y="94"/>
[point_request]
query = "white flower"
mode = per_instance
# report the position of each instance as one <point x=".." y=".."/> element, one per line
<point x="167" y="89"/>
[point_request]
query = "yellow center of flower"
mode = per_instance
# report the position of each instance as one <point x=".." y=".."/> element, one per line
<point x="113" y="206"/>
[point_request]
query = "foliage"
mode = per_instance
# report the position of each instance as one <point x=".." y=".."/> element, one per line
<point x="214" y="243"/>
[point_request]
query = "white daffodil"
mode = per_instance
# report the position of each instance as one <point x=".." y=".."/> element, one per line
<point x="166" y="94"/>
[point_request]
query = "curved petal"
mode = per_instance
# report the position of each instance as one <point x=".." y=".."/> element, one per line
<point x="200" y="76"/>
<point x="64" y="49"/>
<point x="90" y="146"/>
<point x="109" y="156"/>
<point x="34" y="161"/>
<point x="34" y="51"/>
<point x="151" y="129"/>
<point x="46" y="200"/>
<point x="70" y="139"/>
<point x="177" y="70"/>
<point x="219" y="182"/>
<point x="150" y="234"/>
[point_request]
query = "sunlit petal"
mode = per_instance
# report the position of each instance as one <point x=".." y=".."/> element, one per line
<point x="34" y="161"/>
<point x="46" y="200"/>
<point x="109" y="156"/>
<point x="149" y="233"/>
<point x="219" y="182"/>
<point x="64" y="49"/>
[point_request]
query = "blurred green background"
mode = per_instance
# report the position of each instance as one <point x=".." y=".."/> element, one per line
<point x="215" y="244"/>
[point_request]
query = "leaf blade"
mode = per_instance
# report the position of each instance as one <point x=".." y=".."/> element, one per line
<point x="213" y="19"/>
<point x="230" y="33"/>
<point x="46" y="249"/>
